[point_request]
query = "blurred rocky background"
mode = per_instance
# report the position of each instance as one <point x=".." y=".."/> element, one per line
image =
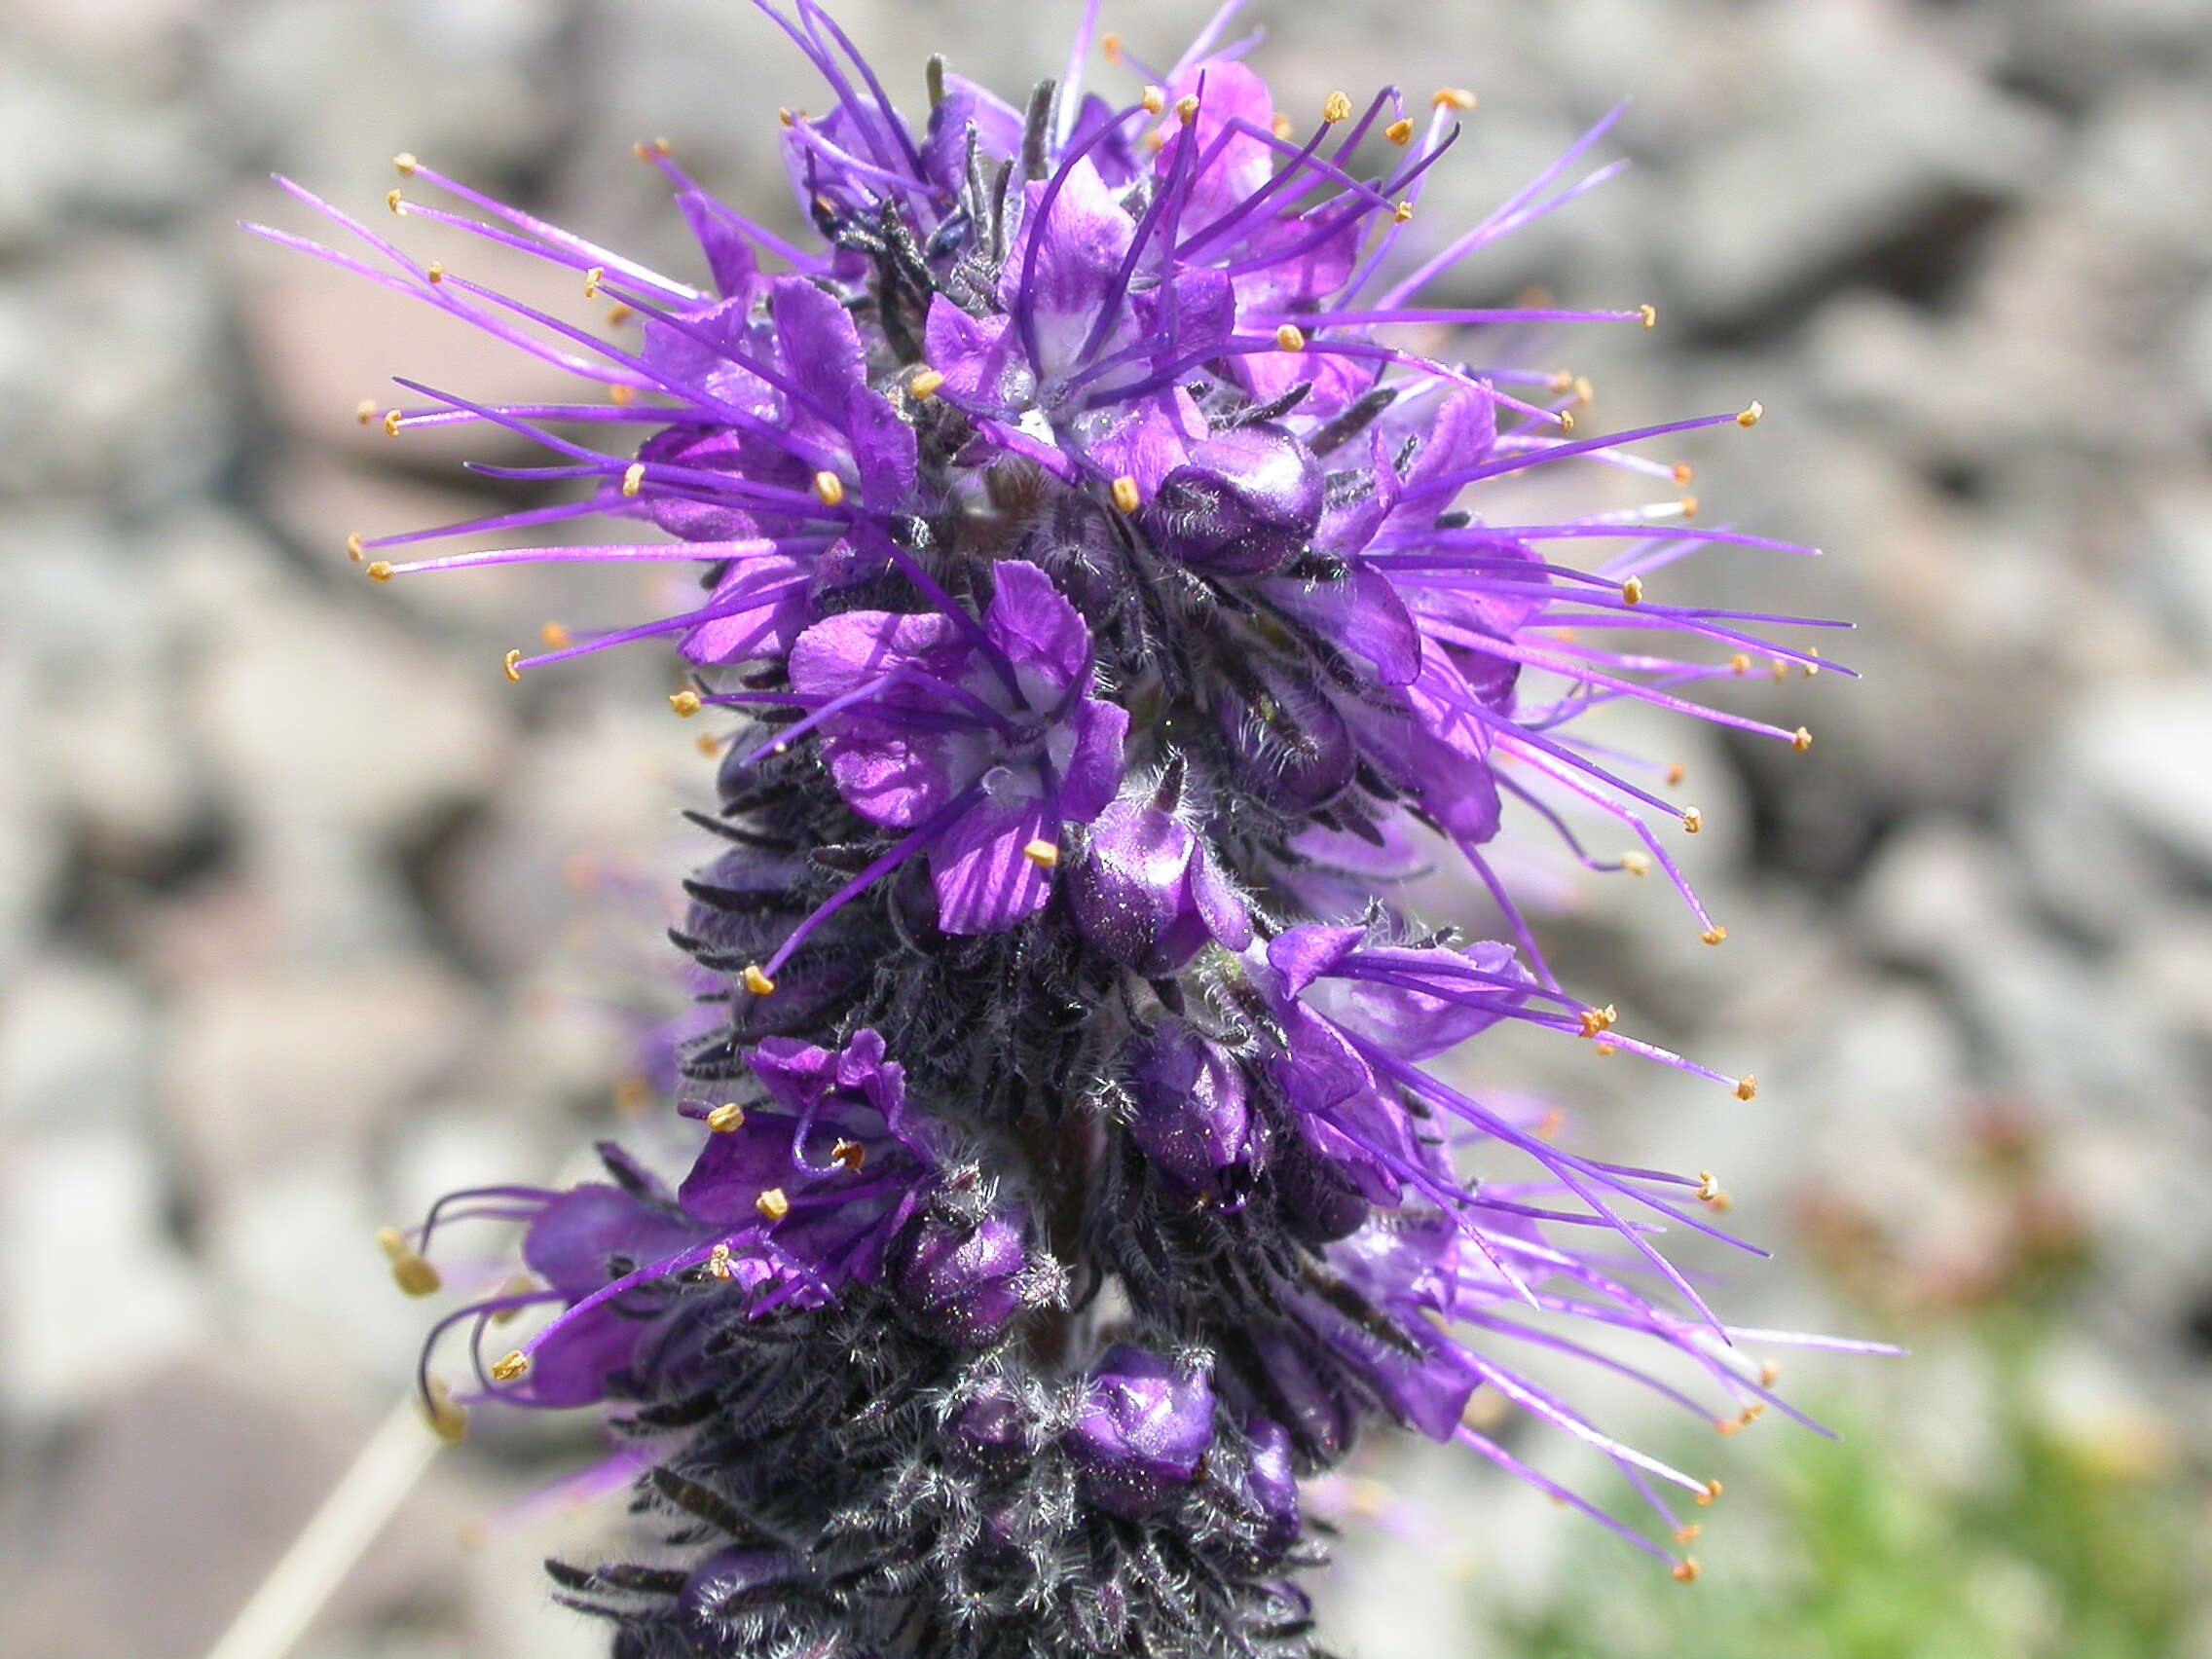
<point x="306" y="915"/>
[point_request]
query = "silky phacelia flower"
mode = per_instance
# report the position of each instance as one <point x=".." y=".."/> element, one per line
<point x="1102" y="608"/>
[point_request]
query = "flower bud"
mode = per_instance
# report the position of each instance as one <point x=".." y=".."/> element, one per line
<point x="1247" y="502"/>
<point x="1192" y="1117"/>
<point x="1148" y="894"/>
<point x="1142" y="1434"/>
<point x="1286" y="741"/>
<point x="964" y="1280"/>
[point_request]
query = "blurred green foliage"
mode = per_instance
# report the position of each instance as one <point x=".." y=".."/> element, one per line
<point x="2068" y="1545"/>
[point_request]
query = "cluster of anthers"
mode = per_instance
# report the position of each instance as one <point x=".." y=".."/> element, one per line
<point x="1111" y="608"/>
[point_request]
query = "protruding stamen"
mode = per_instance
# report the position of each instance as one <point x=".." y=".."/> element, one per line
<point x="1403" y="213"/>
<point x="1400" y="132"/>
<point x="1813" y="668"/>
<point x="1751" y="412"/>
<point x="851" y="1154"/>
<point x="1689" y="506"/>
<point x="719" y="1266"/>
<point x="830" y="489"/>
<point x="926" y="386"/>
<point x="435" y="271"/>
<point x="1632" y="591"/>
<point x="1685" y="1570"/>
<point x="621" y="395"/>
<point x="1651" y="316"/>
<point x="685" y="703"/>
<point x="513" y="661"/>
<point x="1110" y="47"/>
<point x="1684" y="473"/>
<point x="592" y="280"/>
<point x="411" y="1271"/>
<point x="397" y="202"/>
<point x="555" y="635"/>
<point x="511" y="1366"/>
<point x="1801" y="739"/>
<point x="1126" y="494"/>
<point x="757" y="982"/>
<point x="1186" y="108"/>
<point x="727" y="1119"/>
<point x="1688" y="1534"/>
<point x="649" y="152"/>
<point x="1290" y="337"/>
<point x="391" y="423"/>
<point x="1710" y="1495"/>
<point x="1283" y="127"/>
<point x="1637" y="863"/>
<point x="1748" y="1089"/>
<point x="1693" y="820"/>
<point x="406" y="163"/>
<point x="785" y="118"/>
<point x="1566" y="421"/>
<point x="1675" y="774"/>
<point x="772" y="1204"/>
<point x="353" y="547"/>
<point x="634" y="478"/>
<point x="379" y="569"/>
<point x="1452" y="97"/>
<point x="448" y="1422"/>
<point x="1154" y="99"/>
<point x="1045" y="855"/>
<point x="1337" y="107"/>
<point x="1715" y="935"/>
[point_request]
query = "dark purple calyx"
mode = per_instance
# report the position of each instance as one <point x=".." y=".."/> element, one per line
<point x="1191" y="1114"/>
<point x="963" y="1278"/>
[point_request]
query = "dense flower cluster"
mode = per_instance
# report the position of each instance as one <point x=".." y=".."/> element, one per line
<point x="1107" y="602"/>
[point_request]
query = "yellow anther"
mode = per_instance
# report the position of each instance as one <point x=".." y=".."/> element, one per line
<point x="926" y="386"/>
<point x="1154" y="101"/>
<point x="1186" y="108"/>
<point x="1747" y="1088"/>
<point x="1769" y="1374"/>
<point x="1554" y="1120"/>
<point x="757" y="982"/>
<point x="1685" y="1570"/>
<point x="1635" y="864"/>
<point x="1045" y="855"/>
<point x="1452" y="97"/>
<point x="652" y="151"/>
<point x="685" y="703"/>
<point x="512" y="663"/>
<point x="1684" y="472"/>
<point x="1779" y="669"/>
<point x="1651" y="316"/>
<point x="1715" y="935"/>
<point x="1566" y="420"/>
<point x="435" y="271"/>
<point x="719" y="1264"/>
<point x="509" y="1366"/>
<point x="1632" y="591"/>
<point x="1290" y="337"/>
<point x="784" y="118"/>
<point x="1708" y="1186"/>
<point x="1562" y="380"/>
<point x="619" y="314"/>
<point x="1738" y="664"/>
<point x="830" y="489"/>
<point x="1156" y="142"/>
<point x="1585" y="393"/>
<point x="772" y="1204"/>
<point x="1801" y="739"/>
<point x="395" y="200"/>
<point x="634" y="478"/>
<point x="1688" y="1534"/>
<point x="727" y="1119"/>
<point x="1751" y="412"/>
<point x="1598" y="1020"/>
<point x="391" y="423"/>
<point x="592" y="280"/>
<point x="1752" y="1413"/>
<point x="1111" y="46"/>
<point x="1675" y="774"/>
<point x="708" y="744"/>
<point x="379" y="570"/>
<point x="1728" y="1425"/>
<point x="1282" y="126"/>
<point x="364" y="412"/>
<point x="1403" y="213"/>
<point x="410" y="1270"/>
<point x="406" y="163"/>
<point x="448" y="1420"/>
<point x="353" y="547"/>
<point x="1813" y="668"/>
<point x="1399" y="132"/>
<point x="851" y="1154"/>
<point x="1693" y="820"/>
<point x="621" y="395"/>
<point x="1337" y="107"/>
<point x="1690" y="504"/>
<point x="1126" y="494"/>
<point x="1710" y="1495"/>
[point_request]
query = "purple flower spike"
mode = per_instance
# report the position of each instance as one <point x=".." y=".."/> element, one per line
<point x="1144" y="1429"/>
<point x="1058" y="442"/>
